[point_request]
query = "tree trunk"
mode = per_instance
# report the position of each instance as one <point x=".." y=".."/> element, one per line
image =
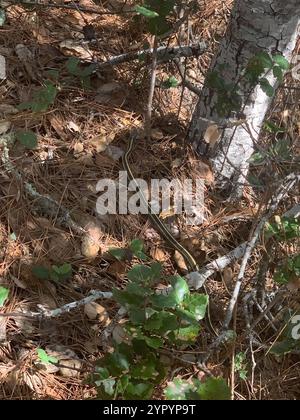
<point x="228" y="139"/>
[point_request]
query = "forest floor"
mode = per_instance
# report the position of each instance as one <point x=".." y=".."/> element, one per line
<point x="80" y="138"/>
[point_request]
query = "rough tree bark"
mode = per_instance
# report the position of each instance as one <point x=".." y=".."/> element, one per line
<point x="256" y="25"/>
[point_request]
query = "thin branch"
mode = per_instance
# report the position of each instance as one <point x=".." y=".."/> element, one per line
<point x="44" y="204"/>
<point x="151" y="91"/>
<point x="164" y="54"/>
<point x="54" y="313"/>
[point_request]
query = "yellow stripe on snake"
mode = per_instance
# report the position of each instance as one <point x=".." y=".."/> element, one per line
<point x="159" y="225"/>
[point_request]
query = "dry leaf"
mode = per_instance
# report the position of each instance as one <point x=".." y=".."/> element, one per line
<point x="7" y="109"/>
<point x="89" y="247"/>
<point x="33" y="381"/>
<point x="158" y="254"/>
<point x="205" y="172"/>
<point x="73" y="127"/>
<point x="177" y="163"/>
<point x="75" y="48"/>
<point x="95" y="311"/>
<point x="4" y="127"/>
<point x="228" y="276"/>
<point x="180" y="261"/>
<point x="114" y="152"/>
<point x="120" y="335"/>
<point x="157" y="134"/>
<point x="112" y="93"/>
<point x="68" y="370"/>
<point x="117" y="268"/>
<point x="18" y="282"/>
<point x="212" y="135"/>
<point x="78" y="148"/>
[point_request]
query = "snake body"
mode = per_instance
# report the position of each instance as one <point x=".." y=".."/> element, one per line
<point x="159" y="225"/>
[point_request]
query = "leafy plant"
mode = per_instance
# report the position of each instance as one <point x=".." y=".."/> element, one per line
<point x="155" y="320"/>
<point x="45" y="358"/>
<point x="3" y="295"/>
<point x="55" y="273"/>
<point x="240" y="365"/>
<point x="75" y="68"/>
<point x="135" y="249"/>
<point x="27" y="139"/>
<point x="171" y="82"/>
<point x="156" y="13"/>
<point x="211" y="389"/>
<point x="229" y="97"/>
<point x="42" y="99"/>
<point x="284" y="229"/>
<point x="288" y="271"/>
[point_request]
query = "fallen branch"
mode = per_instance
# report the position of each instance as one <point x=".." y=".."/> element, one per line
<point x="164" y="54"/>
<point x="197" y="279"/>
<point x="44" y="204"/>
<point x="54" y="313"/>
<point x="287" y="184"/>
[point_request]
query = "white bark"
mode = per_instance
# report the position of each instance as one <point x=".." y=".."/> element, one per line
<point x="256" y="25"/>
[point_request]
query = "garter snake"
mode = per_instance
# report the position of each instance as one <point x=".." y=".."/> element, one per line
<point x="159" y="225"/>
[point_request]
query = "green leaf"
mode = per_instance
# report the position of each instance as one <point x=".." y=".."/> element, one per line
<point x="164" y="301"/>
<point x="154" y="342"/>
<point x="102" y="372"/>
<point x="179" y="389"/>
<point x="171" y="82"/>
<point x="283" y="347"/>
<point x="136" y="289"/>
<point x="137" y="247"/>
<point x="150" y="14"/>
<point x="45" y="358"/>
<point x="162" y="7"/>
<point x="117" y="362"/>
<point x="144" y="370"/>
<point x="187" y="334"/>
<point x="72" y="66"/>
<point x="41" y="272"/>
<point x="27" y="139"/>
<point x="273" y="128"/>
<point x="139" y="391"/>
<point x="64" y="271"/>
<point x="180" y="288"/>
<point x="214" y="389"/>
<point x="3" y="295"/>
<point x="196" y="304"/>
<point x="118" y="253"/>
<point x="265" y="59"/>
<point x="266" y="87"/>
<point x="162" y="322"/>
<point x="108" y="385"/>
<point x="158" y="26"/>
<point x="124" y="298"/>
<point x="278" y="73"/>
<point x="281" y="61"/>
<point x="257" y="159"/>
<point x="137" y="315"/>
<point x="143" y="274"/>
<point x="2" y="17"/>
